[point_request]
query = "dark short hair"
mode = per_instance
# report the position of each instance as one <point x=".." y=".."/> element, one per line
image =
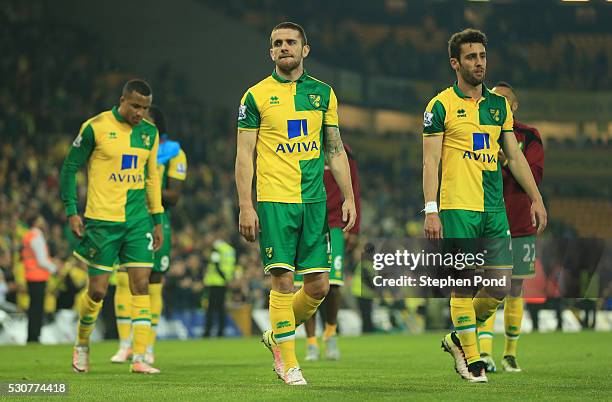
<point x="468" y="35"/>
<point x="290" y="25"/>
<point x="504" y="84"/>
<point x="160" y="119"/>
<point x="137" y="85"/>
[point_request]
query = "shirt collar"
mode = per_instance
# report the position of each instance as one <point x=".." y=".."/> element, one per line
<point x="485" y="91"/>
<point x="285" y="81"/>
<point x="118" y="115"/>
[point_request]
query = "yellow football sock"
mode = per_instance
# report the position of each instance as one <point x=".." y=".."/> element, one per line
<point x="155" y="293"/>
<point x="464" y="320"/>
<point x="513" y="315"/>
<point x="88" y="314"/>
<point x="283" y="326"/>
<point x="141" y="324"/>
<point x="484" y="306"/>
<point x="304" y="306"/>
<point x="312" y="340"/>
<point x="330" y="330"/>
<point x="485" y="336"/>
<point x="123" y="309"/>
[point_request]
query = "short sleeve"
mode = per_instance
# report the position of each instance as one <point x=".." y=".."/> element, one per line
<point x="508" y="125"/>
<point x="331" y="114"/>
<point x="248" y="114"/>
<point x="177" y="166"/>
<point x="433" y="118"/>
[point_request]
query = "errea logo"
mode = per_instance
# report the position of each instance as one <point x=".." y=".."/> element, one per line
<point x="461" y="113"/>
<point x="274" y="100"/>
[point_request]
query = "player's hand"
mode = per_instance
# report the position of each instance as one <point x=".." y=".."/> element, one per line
<point x="349" y="214"/>
<point x="248" y="223"/>
<point x="539" y="217"/>
<point x="432" y="226"/>
<point x="158" y="237"/>
<point x="76" y="225"/>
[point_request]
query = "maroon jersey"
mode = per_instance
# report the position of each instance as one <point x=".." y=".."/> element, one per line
<point x="334" y="195"/>
<point x="518" y="203"/>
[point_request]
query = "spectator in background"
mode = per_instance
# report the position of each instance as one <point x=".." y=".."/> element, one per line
<point x="219" y="273"/>
<point x="38" y="267"/>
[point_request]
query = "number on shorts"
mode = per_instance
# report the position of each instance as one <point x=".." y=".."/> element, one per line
<point x="164" y="263"/>
<point x="338" y="263"/>
<point x="530" y="252"/>
<point x="150" y="237"/>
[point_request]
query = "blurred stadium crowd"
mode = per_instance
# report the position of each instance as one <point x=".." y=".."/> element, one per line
<point x="60" y="75"/>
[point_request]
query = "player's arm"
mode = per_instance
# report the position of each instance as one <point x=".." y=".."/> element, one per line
<point x="432" y="153"/>
<point x="79" y="153"/>
<point x="535" y="158"/>
<point x="433" y="137"/>
<point x="248" y="127"/>
<point x="522" y="173"/>
<point x="177" y="173"/>
<point x="340" y="169"/>
<point x="153" y="190"/>
<point x="248" y="221"/>
<point x="336" y="158"/>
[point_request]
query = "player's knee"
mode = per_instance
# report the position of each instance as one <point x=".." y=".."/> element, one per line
<point x="97" y="294"/>
<point x="140" y="287"/>
<point x="318" y="290"/>
<point x="156" y="277"/>
<point x="516" y="288"/>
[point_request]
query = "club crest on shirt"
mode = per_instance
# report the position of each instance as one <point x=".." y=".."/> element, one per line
<point x="495" y="114"/>
<point x="242" y="112"/>
<point x="146" y="140"/>
<point x="315" y="100"/>
<point x="269" y="252"/>
<point x="427" y="119"/>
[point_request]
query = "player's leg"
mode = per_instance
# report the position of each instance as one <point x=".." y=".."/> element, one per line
<point x="498" y="264"/>
<point x="161" y="264"/>
<point x="460" y="229"/>
<point x="312" y="345"/>
<point x="136" y="255"/>
<point x="513" y="316"/>
<point x="98" y="250"/>
<point x="155" y="295"/>
<point x="280" y="224"/>
<point x="123" y="315"/>
<point x="334" y="297"/>
<point x="485" y="344"/>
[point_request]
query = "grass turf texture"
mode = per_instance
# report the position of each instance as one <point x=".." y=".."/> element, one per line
<point x="555" y="366"/>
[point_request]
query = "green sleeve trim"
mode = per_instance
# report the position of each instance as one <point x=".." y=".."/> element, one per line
<point x="330" y="125"/>
<point x="433" y="121"/>
<point x="80" y="151"/>
<point x="248" y="115"/>
<point x="157" y="218"/>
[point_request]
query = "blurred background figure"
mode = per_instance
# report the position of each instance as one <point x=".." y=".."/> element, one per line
<point x="219" y="273"/>
<point x="38" y="268"/>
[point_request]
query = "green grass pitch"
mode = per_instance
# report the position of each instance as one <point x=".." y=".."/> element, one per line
<point x="400" y="367"/>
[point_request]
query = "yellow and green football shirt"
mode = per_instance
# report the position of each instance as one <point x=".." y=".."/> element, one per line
<point x="122" y="173"/>
<point x="472" y="130"/>
<point x="289" y="118"/>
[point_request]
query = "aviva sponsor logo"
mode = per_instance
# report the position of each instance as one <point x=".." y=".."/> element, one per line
<point x="297" y="147"/>
<point x="486" y="158"/>
<point x="126" y="178"/>
<point x="480" y="142"/>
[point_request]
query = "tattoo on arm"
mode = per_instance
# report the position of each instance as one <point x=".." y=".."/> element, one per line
<point x="333" y="142"/>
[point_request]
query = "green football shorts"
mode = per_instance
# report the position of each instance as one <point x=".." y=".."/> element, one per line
<point x="162" y="256"/>
<point x="105" y="242"/>
<point x="478" y="232"/>
<point x="336" y="273"/>
<point x="524" y="253"/>
<point x="294" y="237"/>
